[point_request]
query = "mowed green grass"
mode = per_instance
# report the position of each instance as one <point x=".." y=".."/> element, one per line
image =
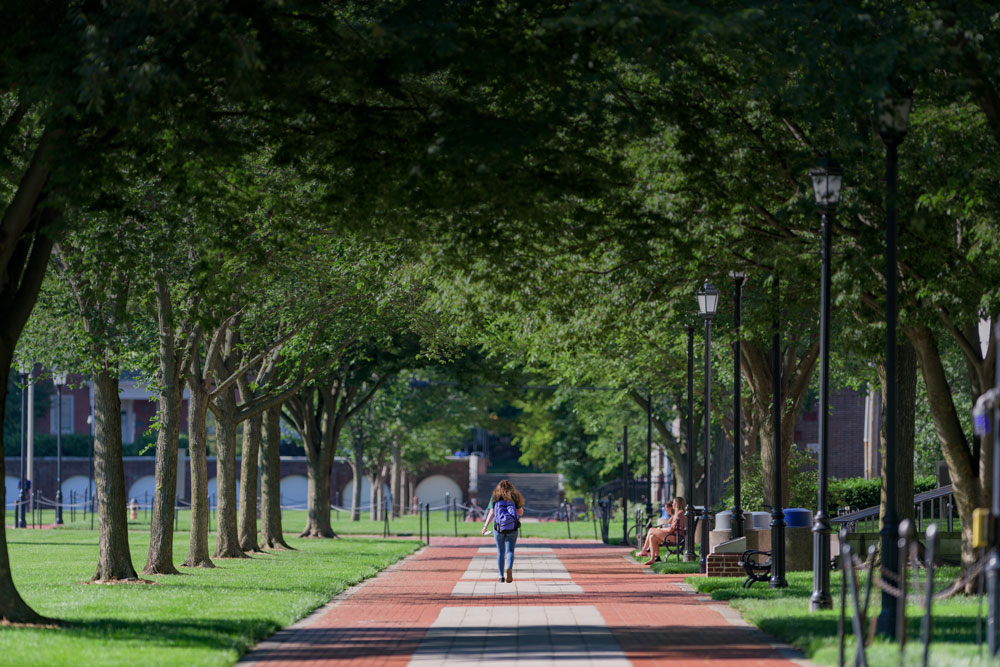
<point x="784" y="613"/>
<point x="293" y="521"/>
<point x="202" y="617"/>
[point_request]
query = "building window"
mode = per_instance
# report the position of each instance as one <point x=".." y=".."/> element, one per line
<point x="67" y="414"/>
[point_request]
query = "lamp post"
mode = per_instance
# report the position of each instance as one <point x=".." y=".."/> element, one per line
<point x="892" y="118"/>
<point x="827" y="179"/>
<point x="986" y="422"/>
<point x="649" y="457"/>
<point x="20" y="516"/>
<point x="689" y="554"/>
<point x="777" y="511"/>
<point x="708" y="301"/>
<point x="739" y="279"/>
<point x="59" y="379"/>
<point x="625" y="484"/>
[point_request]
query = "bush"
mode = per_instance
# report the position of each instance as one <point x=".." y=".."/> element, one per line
<point x="801" y="483"/>
<point x="854" y="492"/>
<point x="858" y="493"/>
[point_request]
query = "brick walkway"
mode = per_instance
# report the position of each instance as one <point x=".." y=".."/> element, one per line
<point x="573" y="602"/>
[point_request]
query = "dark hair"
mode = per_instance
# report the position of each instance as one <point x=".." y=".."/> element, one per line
<point x="506" y="491"/>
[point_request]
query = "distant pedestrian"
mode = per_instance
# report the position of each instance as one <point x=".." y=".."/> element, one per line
<point x="506" y="505"/>
<point x="133" y="509"/>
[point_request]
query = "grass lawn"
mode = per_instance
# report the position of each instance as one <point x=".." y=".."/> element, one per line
<point x="294" y="520"/>
<point x="203" y="617"/>
<point x="784" y="613"/>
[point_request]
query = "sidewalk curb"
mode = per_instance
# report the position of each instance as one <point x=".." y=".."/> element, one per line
<point x="275" y="640"/>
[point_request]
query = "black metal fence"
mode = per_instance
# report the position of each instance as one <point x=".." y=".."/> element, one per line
<point x="913" y="582"/>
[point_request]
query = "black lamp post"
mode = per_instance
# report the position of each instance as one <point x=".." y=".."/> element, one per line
<point x="59" y="379"/>
<point x="20" y="514"/>
<point x="708" y="302"/>
<point x="986" y="421"/>
<point x="827" y="179"/>
<point x="777" y="511"/>
<point x="892" y="118"/>
<point x="689" y="555"/>
<point x="739" y="279"/>
<point x="649" y="457"/>
<point x="625" y="484"/>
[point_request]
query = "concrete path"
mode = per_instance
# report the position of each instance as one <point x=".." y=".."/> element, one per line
<point x="571" y="602"/>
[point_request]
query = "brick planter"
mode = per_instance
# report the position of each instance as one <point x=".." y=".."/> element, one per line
<point x="725" y="565"/>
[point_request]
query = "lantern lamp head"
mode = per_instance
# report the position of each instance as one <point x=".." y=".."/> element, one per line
<point x="708" y="300"/>
<point x="827" y="180"/>
<point x="892" y="117"/>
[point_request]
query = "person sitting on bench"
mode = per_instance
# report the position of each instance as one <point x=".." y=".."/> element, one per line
<point x="669" y="534"/>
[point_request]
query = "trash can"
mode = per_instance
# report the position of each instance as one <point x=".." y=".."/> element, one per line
<point x="761" y="520"/>
<point x="798" y="517"/>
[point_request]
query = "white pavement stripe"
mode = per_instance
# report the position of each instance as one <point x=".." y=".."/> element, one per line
<point x="493" y="587"/>
<point x="531" y="566"/>
<point x="573" y="634"/>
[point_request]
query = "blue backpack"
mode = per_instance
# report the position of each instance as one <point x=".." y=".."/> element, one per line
<point x="505" y="516"/>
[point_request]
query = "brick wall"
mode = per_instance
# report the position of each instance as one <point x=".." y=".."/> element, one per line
<point x="725" y="565"/>
<point x="846" y="432"/>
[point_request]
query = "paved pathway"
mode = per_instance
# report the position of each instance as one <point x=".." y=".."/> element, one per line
<point x="571" y="602"/>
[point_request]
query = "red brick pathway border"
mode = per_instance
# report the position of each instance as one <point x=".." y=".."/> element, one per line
<point x="382" y="621"/>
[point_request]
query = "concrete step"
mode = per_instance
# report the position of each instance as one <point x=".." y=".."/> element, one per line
<point x="540" y="490"/>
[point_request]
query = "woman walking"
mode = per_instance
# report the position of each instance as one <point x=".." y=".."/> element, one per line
<point x="506" y="505"/>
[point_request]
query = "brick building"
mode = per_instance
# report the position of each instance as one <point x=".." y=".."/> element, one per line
<point x="853" y="432"/>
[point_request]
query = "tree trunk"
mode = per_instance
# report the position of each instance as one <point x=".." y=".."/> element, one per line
<point x="271" y="536"/>
<point x="906" y="410"/>
<point x="248" y="485"/>
<point x="395" y="486"/>
<point x="13" y="609"/>
<point x="410" y="493"/>
<point x="374" y="498"/>
<point x="357" y="468"/>
<point x="27" y="232"/>
<point x="767" y="462"/>
<point x="197" y="437"/>
<point x="114" y="560"/>
<point x="160" y="559"/>
<point x="318" y="524"/>
<point x="965" y="478"/>
<point x="227" y="541"/>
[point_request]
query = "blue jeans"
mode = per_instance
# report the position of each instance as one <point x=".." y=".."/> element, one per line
<point x="505" y="545"/>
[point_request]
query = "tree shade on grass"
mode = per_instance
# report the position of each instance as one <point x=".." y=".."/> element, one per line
<point x="204" y="617"/>
<point x="784" y="613"/>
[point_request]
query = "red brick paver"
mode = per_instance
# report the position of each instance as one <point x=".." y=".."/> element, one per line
<point x="382" y="621"/>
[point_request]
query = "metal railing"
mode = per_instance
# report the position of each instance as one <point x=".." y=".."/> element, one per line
<point x="923" y="509"/>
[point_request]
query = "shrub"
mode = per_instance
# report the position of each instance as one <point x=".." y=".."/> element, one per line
<point x="801" y="483"/>
<point x="858" y="493"/>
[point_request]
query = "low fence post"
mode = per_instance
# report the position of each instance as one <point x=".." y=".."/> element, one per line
<point x="593" y="515"/>
<point x="925" y="628"/>
<point x="906" y="536"/>
<point x="427" y="511"/>
<point x="843" y="596"/>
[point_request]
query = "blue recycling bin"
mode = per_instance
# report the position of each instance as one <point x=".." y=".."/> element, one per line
<point x="798" y="517"/>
